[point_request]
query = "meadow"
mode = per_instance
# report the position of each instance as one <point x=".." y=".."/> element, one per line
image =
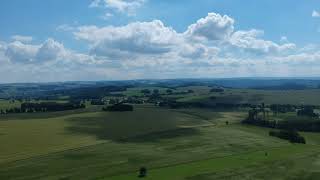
<point x="185" y="143"/>
<point x="253" y="96"/>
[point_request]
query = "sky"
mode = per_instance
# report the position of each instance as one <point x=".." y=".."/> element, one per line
<point x="91" y="40"/>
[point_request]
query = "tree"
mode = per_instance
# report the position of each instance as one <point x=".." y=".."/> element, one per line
<point x="145" y="91"/>
<point x="142" y="172"/>
<point x="306" y="111"/>
<point x="119" y="108"/>
<point x="217" y="90"/>
<point x="156" y="91"/>
<point x="264" y="111"/>
<point x="291" y="135"/>
<point x="169" y="91"/>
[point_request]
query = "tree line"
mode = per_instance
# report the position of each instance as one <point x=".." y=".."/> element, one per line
<point x="291" y="135"/>
<point x="118" y="107"/>
<point x="307" y="121"/>
<point x="43" y="107"/>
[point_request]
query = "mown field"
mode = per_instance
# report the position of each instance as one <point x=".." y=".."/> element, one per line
<point x="174" y="144"/>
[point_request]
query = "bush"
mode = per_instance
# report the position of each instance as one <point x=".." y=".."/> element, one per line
<point x="291" y="135"/>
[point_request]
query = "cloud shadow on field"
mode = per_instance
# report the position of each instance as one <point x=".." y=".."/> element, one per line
<point x="121" y="130"/>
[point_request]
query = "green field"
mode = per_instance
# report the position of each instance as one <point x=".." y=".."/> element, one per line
<point x="5" y="104"/>
<point x="249" y="165"/>
<point x="253" y="96"/>
<point x="173" y="143"/>
<point x="297" y="97"/>
<point x="191" y="144"/>
<point x="26" y="138"/>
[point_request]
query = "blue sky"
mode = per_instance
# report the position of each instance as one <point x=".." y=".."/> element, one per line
<point x="59" y="40"/>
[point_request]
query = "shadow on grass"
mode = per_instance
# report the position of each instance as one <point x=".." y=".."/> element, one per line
<point x="167" y="134"/>
<point x="75" y="155"/>
<point x="126" y="132"/>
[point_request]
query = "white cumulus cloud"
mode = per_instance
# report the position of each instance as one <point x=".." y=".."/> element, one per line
<point x="48" y="51"/>
<point x="135" y="38"/>
<point x="20" y="52"/>
<point x="251" y="40"/>
<point x="210" y="47"/>
<point x="212" y="27"/>
<point x="315" y="14"/>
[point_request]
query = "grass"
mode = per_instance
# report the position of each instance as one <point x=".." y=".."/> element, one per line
<point x="26" y="138"/>
<point x="5" y="104"/>
<point x="119" y="126"/>
<point x="208" y="169"/>
<point x="252" y="96"/>
<point x="200" y="141"/>
<point x="299" y="163"/>
<point x="172" y="144"/>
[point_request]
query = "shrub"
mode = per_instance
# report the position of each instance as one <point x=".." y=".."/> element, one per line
<point x="291" y="135"/>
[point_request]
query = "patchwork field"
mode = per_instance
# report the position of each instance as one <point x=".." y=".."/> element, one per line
<point x="175" y="144"/>
<point x="185" y="143"/>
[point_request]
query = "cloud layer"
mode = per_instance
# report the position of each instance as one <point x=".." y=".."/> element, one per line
<point x="208" y="39"/>
<point x="210" y="47"/>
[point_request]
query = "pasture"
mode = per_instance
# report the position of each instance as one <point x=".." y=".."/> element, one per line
<point x="187" y="143"/>
<point x="251" y="96"/>
<point x="106" y="145"/>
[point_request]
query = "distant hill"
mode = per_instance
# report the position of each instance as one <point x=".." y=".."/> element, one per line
<point x="101" y="88"/>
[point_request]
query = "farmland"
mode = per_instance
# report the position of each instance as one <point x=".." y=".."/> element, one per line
<point x="173" y="143"/>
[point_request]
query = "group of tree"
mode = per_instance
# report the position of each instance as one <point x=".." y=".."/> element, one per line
<point x="133" y="100"/>
<point x="290" y="135"/>
<point x="282" y="108"/>
<point x="43" y="107"/>
<point x="255" y="119"/>
<point x="118" y="107"/>
<point x="50" y="106"/>
<point x="302" y="110"/>
<point x="97" y="102"/>
<point x="308" y="125"/>
<point x="146" y="91"/>
<point x="306" y="120"/>
<point x="173" y="104"/>
<point x="88" y="93"/>
<point x="9" y="111"/>
<point x="307" y="111"/>
<point x="156" y="92"/>
<point x="169" y="91"/>
<point x="218" y="90"/>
